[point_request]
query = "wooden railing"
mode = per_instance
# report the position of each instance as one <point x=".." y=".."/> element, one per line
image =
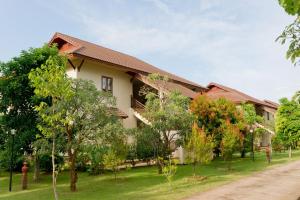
<point x="136" y="104"/>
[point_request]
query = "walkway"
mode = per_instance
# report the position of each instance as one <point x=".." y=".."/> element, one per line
<point x="280" y="183"/>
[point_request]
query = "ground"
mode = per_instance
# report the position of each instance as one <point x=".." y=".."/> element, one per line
<point x="141" y="183"/>
<point x="280" y="183"/>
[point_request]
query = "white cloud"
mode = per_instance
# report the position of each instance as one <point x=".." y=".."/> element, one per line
<point x="232" y="41"/>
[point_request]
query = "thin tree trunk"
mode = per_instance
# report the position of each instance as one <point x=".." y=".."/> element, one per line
<point x="159" y="165"/>
<point x="54" y="174"/>
<point x="36" y="175"/>
<point x="194" y="168"/>
<point x="290" y="152"/>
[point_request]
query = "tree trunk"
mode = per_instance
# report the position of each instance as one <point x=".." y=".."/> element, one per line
<point x="159" y="165"/>
<point x="73" y="172"/>
<point x="194" y="169"/>
<point x="290" y="152"/>
<point x="36" y="176"/>
<point x="54" y="174"/>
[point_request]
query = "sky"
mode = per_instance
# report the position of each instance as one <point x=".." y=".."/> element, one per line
<point x="231" y="42"/>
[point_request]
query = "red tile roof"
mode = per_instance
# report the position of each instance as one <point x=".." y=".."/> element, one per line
<point x="218" y="91"/>
<point x="84" y="48"/>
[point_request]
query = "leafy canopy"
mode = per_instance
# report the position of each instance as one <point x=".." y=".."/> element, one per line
<point x="291" y="32"/>
<point x="17" y="96"/>
<point x="288" y="122"/>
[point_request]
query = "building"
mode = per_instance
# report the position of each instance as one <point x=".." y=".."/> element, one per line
<point x="265" y="108"/>
<point x="121" y="74"/>
<point x="125" y="75"/>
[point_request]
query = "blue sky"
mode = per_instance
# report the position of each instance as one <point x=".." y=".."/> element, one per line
<point x="231" y="42"/>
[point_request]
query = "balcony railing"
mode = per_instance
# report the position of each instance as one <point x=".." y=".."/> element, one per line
<point x="136" y="104"/>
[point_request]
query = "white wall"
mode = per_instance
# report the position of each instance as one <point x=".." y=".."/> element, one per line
<point x="122" y="86"/>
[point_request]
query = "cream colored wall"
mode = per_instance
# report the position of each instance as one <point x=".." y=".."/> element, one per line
<point x="122" y="86"/>
<point x="71" y="72"/>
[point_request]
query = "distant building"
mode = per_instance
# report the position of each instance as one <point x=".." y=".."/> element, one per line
<point x="265" y="108"/>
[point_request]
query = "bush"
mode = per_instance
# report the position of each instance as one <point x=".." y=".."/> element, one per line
<point x="46" y="162"/>
<point x="277" y="144"/>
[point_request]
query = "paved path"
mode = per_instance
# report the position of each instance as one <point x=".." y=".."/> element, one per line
<point x="279" y="183"/>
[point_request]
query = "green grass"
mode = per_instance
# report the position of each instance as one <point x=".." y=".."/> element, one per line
<point x="140" y="183"/>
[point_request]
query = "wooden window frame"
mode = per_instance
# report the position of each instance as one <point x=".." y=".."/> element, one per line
<point x="107" y="78"/>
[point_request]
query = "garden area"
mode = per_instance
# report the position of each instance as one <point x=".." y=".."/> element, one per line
<point x="142" y="182"/>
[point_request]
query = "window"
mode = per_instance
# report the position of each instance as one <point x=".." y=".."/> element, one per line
<point x="107" y="84"/>
<point x="268" y="116"/>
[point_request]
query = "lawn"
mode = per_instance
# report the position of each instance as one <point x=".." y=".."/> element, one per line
<point x="140" y="183"/>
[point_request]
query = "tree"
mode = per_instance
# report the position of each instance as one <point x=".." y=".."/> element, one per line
<point x="292" y="7"/>
<point x="292" y="32"/>
<point x="170" y="169"/>
<point x="251" y="119"/>
<point x="199" y="147"/>
<point x="148" y="142"/>
<point x="80" y="110"/>
<point x="112" y="161"/>
<point x="287" y="123"/>
<point x="17" y="97"/>
<point x="212" y="114"/>
<point x="50" y="81"/>
<point x="167" y="112"/>
<point x="230" y="141"/>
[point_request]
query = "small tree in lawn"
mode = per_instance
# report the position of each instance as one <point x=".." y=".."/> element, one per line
<point x="112" y="161"/>
<point x="167" y="112"/>
<point x="230" y="142"/>
<point x="115" y="139"/>
<point x="199" y="147"/>
<point x="169" y="170"/>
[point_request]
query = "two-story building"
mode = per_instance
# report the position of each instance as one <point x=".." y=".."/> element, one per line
<point x="121" y="74"/>
<point x="125" y="75"/>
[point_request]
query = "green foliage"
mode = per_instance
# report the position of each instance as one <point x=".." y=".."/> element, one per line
<point x="249" y="114"/>
<point x="112" y="161"/>
<point x="169" y="170"/>
<point x="288" y="122"/>
<point x="291" y="32"/>
<point x="199" y="147"/>
<point x="292" y="7"/>
<point x="277" y="144"/>
<point x="167" y="113"/>
<point x="78" y="111"/>
<point x="148" y="142"/>
<point x="211" y="115"/>
<point x="17" y="97"/>
<point x="230" y="141"/>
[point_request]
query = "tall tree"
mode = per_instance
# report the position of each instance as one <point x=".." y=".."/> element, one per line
<point x="50" y="81"/>
<point x="17" y="97"/>
<point x="287" y="123"/>
<point x="81" y="111"/>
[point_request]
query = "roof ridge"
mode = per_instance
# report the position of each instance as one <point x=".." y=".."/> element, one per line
<point x="68" y="37"/>
<point x="237" y="91"/>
